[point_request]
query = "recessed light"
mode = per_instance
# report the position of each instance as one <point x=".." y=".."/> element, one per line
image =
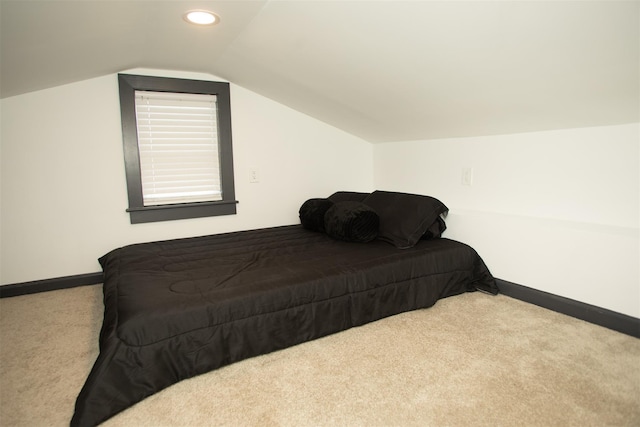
<point x="201" y="17"/>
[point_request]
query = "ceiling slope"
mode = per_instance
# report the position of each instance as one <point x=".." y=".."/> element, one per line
<point x="381" y="70"/>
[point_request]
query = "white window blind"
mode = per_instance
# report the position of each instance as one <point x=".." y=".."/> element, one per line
<point x="178" y="147"/>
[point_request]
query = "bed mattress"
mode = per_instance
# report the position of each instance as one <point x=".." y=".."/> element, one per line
<point x="176" y="309"/>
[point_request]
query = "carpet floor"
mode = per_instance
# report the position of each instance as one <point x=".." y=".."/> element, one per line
<point x="471" y="360"/>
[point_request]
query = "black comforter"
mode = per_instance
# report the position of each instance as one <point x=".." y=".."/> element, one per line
<point x="179" y="308"/>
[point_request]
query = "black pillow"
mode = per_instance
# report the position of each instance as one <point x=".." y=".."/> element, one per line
<point x="347" y="196"/>
<point x="404" y="218"/>
<point x="312" y="213"/>
<point x="351" y="222"/>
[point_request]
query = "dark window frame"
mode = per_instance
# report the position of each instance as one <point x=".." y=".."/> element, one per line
<point x="139" y="213"/>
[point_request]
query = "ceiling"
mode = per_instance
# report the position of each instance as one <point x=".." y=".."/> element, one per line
<point x="381" y="70"/>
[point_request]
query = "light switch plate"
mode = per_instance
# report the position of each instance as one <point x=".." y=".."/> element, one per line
<point x="467" y="176"/>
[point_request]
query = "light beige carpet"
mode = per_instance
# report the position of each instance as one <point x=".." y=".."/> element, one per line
<point x="471" y="360"/>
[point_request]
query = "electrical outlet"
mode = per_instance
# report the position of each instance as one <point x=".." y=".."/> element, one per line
<point x="467" y="176"/>
<point x="254" y="175"/>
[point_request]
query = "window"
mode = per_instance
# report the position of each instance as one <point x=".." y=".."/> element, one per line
<point x="177" y="148"/>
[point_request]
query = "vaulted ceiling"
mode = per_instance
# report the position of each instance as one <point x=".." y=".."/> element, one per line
<point x="381" y="70"/>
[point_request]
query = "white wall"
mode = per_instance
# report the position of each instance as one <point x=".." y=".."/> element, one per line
<point x="557" y="211"/>
<point x="63" y="190"/>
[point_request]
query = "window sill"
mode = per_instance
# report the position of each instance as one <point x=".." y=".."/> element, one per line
<point x="181" y="211"/>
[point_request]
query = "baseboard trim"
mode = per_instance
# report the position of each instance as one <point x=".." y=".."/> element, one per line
<point x="600" y="316"/>
<point x="590" y="313"/>
<point x="36" y="286"/>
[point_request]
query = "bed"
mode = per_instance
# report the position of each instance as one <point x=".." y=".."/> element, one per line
<point x="179" y="308"/>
